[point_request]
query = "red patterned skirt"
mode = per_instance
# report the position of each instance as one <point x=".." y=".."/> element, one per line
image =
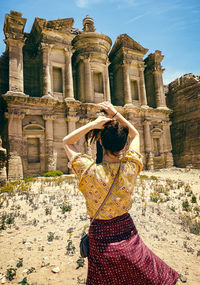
<point x="118" y="256"/>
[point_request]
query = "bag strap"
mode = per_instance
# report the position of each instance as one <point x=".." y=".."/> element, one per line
<point x="107" y="196"/>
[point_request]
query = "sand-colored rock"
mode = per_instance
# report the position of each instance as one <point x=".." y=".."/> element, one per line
<point x="184" y="98"/>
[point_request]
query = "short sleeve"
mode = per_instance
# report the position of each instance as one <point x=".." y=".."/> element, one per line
<point x="134" y="157"/>
<point x="80" y="163"/>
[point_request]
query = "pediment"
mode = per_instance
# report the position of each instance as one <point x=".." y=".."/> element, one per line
<point x="61" y="25"/>
<point x="33" y="127"/>
<point x="124" y="41"/>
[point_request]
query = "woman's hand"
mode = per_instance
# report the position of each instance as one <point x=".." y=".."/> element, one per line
<point x="100" y="122"/>
<point x="108" y="108"/>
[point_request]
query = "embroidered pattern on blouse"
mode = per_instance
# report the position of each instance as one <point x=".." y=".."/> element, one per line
<point x="95" y="181"/>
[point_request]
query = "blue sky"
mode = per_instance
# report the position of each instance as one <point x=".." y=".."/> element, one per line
<point x="171" y="26"/>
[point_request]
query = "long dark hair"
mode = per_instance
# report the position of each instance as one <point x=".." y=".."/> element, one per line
<point x="113" y="137"/>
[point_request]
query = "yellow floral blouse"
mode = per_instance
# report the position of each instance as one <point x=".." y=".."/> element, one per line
<point x="95" y="181"/>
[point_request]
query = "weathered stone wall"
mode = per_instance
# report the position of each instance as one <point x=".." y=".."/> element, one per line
<point x="184" y="98"/>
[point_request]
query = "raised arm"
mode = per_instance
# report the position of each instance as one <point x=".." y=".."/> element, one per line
<point x="70" y="140"/>
<point x="111" y="112"/>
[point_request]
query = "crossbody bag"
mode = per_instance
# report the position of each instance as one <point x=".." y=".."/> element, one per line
<point x="84" y="243"/>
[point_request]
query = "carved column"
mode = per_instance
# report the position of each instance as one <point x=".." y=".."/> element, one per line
<point x="167" y="146"/>
<point x="159" y="90"/>
<point x="71" y="126"/>
<point x="71" y="120"/>
<point x="107" y="83"/>
<point x="127" y="89"/>
<point x="147" y="135"/>
<point x="148" y="146"/>
<point x="46" y="78"/>
<point x="80" y="81"/>
<point x="69" y="90"/>
<point x="88" y="81"/>
<point x="15" y="167"/>
<point x="14" y="33"/>
<point x="16" y="76"/>
<point x="51" y="158"/>
<point x="143" y="97"/>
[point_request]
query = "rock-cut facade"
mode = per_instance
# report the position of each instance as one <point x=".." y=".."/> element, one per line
<point x="52" y="79"/>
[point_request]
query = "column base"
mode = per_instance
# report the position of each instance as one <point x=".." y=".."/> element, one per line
<point x="15" y="168"/>
<point x="3" y="176"/>
<point x="169" y="161"/>
<point x="69" y="99"/>
<point x="15" y="93"/>
<point x="129" y="105"/>
<point x="150" y="162"/>
<point x="145" y="107"/>
<point x="49" y="97"/>
<point x="163" y="108"/>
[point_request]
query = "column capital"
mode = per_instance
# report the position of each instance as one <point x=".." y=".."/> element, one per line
<point x="85" y="58"/>
<point x="49" y="117"/>
<point x="84" y="120"/>
<point x="15" y="42"/>
<point x="14" y="115"/>
<point x="166" y="123"/>
<point x="146" y="123"/>
<point x="69" y="51"/>
<point x="73" y="119"/>
<point x="157" y="68"/>
<point x="45" y="47"/>
<point x="108" y="62"/>
<point x="141" y="66"/>
<point x="125" y="62"/>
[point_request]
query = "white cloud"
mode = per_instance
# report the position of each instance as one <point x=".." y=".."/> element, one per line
<point x="86" y="3"/>
<point x="82" y="3"/>
<point x="126" y="3"/>
<point x="138" y="17"/>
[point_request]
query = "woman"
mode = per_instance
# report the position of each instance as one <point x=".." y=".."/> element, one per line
<point x="117" y="253"/>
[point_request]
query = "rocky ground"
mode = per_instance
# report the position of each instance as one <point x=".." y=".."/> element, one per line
<point x="41" y="226"/>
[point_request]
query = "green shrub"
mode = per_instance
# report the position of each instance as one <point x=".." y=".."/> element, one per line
<point x="50" y="237"/>
<point x="29" y="179"/>
<point x="152" y="177"/>
<point x="173" y="208"/>
<point x="53" y="173"/>
<point x="191" y="223"/>
<point x="187" y="188"/>
<point x="143" y="177"/>
<point x="24" y="281"/>
<point x="11" y="273"/>
<point x="195" y="228"/>
<point x="194" y="199"/>
<point x="9" y="188"/>
<point x="20" y="262"/>
<point x="185" y="205"/>
<point x="169" y="181"/>
<point x="65" y="207"/>
<point x="197" y="209"/>
<point x="155" y="197"/>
